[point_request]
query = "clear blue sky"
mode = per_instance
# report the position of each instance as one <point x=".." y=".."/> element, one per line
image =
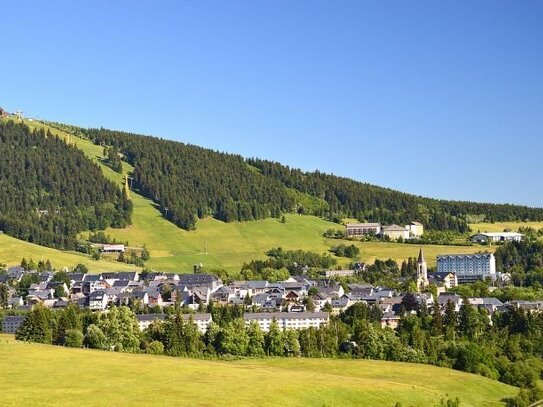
<point x="438" y="98"/>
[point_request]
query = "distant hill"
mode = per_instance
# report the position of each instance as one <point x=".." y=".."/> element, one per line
<point x="50" y="191"/>
<point x="189" y="182"/>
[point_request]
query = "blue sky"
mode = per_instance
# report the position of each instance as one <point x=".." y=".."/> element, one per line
<point x="437" y="98"/>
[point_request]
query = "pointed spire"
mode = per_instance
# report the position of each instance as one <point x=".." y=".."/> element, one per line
<point x="421" y="257"/>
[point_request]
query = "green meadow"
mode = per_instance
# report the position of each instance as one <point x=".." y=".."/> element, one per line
<point x="13" y="250"/>
<point x="501" y="226"/>
<point x="40" y="375"/>
<point x="217" y="244"/>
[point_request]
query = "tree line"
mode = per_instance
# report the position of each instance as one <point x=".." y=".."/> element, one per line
<point x="50" y="191"/>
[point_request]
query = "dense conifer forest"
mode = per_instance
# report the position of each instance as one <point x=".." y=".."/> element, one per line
<point x="49" y="191"/>
<point x="190" y="182"/>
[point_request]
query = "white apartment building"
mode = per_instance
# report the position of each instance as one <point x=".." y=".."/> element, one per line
<point x="288" y="320"/>
<point x="362" y="229"/>
<point x="468" y="267"/>
<point x="497" y="237"/>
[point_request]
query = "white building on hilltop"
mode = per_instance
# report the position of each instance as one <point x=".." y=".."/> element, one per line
<point x="497" y="237"/>
<point x="394" y="232"/>
<point x="362" y="229"/>
<point x="416" y="229"/>
<point x="468" y="267"/>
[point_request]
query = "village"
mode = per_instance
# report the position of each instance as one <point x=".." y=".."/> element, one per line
<point x="296" y="303"/>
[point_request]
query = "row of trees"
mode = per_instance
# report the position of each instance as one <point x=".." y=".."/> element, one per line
<point x="49" y="191"/>
<point x="524" y="260"/>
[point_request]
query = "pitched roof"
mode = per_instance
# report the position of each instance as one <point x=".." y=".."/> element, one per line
<point x="394" y="228"/>
<point x="421" y="257"/>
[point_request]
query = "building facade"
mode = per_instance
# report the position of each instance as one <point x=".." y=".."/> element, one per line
<point x="416" y="229"/>
<point x="362" y="229"/>
<point x="497" y="237"/>
<point x="468" y="267"/>
<point x="394" y="232"/>
<point x="288" y="320"/>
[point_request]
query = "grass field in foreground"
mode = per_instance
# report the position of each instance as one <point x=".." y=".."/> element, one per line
<point x="40" y="375"/>
<point x="13" y="250"/>
<point x="501" y="226"/>
<point x="229" y="245"/>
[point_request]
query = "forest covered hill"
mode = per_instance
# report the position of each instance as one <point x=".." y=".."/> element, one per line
<point x="190" y="182"/>
<point x="50" y="191"/>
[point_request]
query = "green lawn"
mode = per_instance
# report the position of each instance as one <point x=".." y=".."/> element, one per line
<point x="229" y="245"/>
<point x="13" y="250"/>
<point x="41" y="375"/>
<point x="501" y="226"/>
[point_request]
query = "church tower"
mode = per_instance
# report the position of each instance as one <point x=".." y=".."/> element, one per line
<point x="422" y="272"/>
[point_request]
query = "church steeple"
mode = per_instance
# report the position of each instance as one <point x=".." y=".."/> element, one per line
<point x="422" y="272"/>
<point x="421" y="257"/>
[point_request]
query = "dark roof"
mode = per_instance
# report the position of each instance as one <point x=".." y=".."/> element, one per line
<point x="92" y="277"/>
<point x="14" y="318"/>
<point x="97" y="295"/>
<point x="196" y="279"/>
<point x="150" y="317"/>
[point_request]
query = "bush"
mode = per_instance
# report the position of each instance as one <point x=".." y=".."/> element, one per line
<point x="155" y="348"/>
<point x="73" y="338"/>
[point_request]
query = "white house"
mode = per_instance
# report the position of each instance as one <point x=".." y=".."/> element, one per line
<point x="394" y="232"/>
<point x="98" y="300"/>
<point x="497" y="237"/>
<point x="416" y="229"/>
<point x="113" y="248"/>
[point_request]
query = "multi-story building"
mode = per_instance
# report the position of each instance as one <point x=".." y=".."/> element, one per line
<point x="394" y="232"/>
<point x="288" y="320"/>
<point x="362" y="229"/>
<point x="468" y="267"/>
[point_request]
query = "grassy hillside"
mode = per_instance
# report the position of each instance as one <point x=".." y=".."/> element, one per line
<point x="501" y="226"/>
<point x="228" y="244"/>
<point x="44" y="375"/>
<point x="13" y="250"/>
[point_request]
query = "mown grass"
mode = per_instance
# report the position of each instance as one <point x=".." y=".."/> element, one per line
<point x="40" y="375"/>
<point x="229" y="245"/>
<point x="501" y="226"/>
<point x="13" y="250"/>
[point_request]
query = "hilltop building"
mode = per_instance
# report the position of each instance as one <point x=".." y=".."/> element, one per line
<point x="416" y="229"/>
<point x="497" y="237"/>
<point x="113" y="248"/>
<point x="468" y="267"/>
<point x="363" y="229"/>
<point x="394" y="232"/>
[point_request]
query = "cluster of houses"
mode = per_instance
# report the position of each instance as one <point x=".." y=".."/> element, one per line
<point x="299" y="302"/>
<point x="413" y="230"/>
